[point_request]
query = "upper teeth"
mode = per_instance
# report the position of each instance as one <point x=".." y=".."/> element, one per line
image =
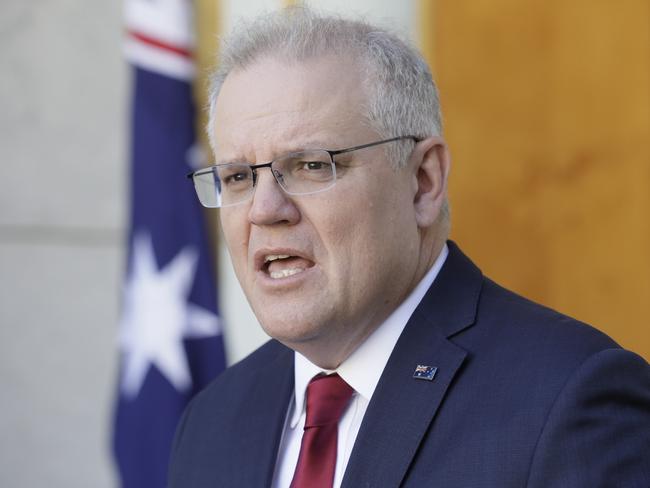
<point x="273" y="257"/>
<point x="285" y="273"/>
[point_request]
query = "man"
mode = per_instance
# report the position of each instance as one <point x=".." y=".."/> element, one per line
<point x="394" y="361"/>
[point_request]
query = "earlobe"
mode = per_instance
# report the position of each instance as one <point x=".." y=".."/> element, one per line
<point x="431" y="168"/>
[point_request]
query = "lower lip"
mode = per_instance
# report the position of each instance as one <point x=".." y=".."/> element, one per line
<point x="295" y="280"/>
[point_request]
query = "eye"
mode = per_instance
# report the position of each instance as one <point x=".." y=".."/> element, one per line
<point x="308" y="165"/>
<point x="313" y="165"/>
<point x="234" y="176"/>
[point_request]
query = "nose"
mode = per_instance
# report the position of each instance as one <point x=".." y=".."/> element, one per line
<point x="270" y="204"/>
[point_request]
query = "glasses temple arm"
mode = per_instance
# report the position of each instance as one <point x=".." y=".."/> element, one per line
<point x="363" y="146"/>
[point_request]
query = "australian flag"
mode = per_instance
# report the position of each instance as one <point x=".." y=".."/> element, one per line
<point x="170" y="336"/>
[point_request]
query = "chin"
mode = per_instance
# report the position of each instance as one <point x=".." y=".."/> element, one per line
<point x="291" y="330"/>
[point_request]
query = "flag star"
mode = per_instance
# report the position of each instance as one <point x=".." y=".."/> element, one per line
<point x="157" y="317"/>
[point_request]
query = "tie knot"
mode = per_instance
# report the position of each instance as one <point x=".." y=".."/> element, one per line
<point x="327" y="397"/>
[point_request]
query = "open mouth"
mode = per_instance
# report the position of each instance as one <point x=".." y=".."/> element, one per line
<point x="279" y="266"/>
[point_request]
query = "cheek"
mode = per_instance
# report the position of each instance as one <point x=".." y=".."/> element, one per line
<point x="235" y="235"/>
<point x="355" y="238"/>
<point x="383" y="232"/>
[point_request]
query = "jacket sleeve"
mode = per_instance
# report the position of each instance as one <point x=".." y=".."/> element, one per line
<point x="597" y="433"/>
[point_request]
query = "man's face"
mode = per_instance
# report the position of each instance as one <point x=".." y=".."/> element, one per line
<point x="354" y="249"/>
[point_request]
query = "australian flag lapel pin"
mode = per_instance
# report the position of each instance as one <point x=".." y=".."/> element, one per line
<point x="423" y="372"/>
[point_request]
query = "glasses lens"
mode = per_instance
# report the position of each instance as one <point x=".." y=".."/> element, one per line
<point x="224" y="185"/>
<point x="206" y="185"/>
<point x="305" y="172"/>
<point x="235" y="182"/>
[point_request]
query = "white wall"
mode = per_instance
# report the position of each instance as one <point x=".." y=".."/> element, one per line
<point x="63" y="135"/>
<point x="62" y="92"/>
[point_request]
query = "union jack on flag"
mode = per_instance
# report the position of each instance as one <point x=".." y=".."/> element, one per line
<point x="424" y="372"/>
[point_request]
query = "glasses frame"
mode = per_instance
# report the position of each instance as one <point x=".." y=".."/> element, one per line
<point x="278" y="176"/>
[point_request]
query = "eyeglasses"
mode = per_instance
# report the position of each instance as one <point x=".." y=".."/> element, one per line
<point x="298" y="173"/>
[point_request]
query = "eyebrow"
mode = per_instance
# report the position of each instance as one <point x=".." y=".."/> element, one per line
<point x="293" y="148"/>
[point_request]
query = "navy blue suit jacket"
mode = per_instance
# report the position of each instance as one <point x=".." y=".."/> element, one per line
<point x="522" y="397"/>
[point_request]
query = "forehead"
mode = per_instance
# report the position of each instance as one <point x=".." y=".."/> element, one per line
<point x="273" y="105"/>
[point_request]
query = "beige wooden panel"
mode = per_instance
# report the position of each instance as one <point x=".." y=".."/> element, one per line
<point x="208" y="28"/>
<point x="547" y="108"/>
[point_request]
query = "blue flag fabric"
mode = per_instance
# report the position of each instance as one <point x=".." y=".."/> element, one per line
<point x="170" y="336"/>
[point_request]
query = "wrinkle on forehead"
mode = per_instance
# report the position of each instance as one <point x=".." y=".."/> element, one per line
<point x="272" y="107"/>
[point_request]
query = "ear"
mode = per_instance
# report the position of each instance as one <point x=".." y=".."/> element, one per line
<point x="430" y="163"/>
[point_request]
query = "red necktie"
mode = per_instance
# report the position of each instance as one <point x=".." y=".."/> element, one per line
<point x="327" y="398"/>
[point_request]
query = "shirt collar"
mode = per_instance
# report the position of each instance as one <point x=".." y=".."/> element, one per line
<point x="363" y="368"/>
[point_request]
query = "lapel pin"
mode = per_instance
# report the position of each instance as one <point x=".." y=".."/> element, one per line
<point x="424" y="372"/>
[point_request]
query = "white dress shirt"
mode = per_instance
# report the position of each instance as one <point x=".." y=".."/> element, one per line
<point x="361" y="370"/>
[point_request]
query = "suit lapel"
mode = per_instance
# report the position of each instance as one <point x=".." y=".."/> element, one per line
<point x="402" y="407"/>
<point x="262" y="422"/>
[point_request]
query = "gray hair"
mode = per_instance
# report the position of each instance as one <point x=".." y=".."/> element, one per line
<point x="401" y="97"/>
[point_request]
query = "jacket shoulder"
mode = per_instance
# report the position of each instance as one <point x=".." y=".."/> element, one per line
<point x="234" y="418"/>
<point x="246" y="372"/>
<point x="536" y="326"/>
